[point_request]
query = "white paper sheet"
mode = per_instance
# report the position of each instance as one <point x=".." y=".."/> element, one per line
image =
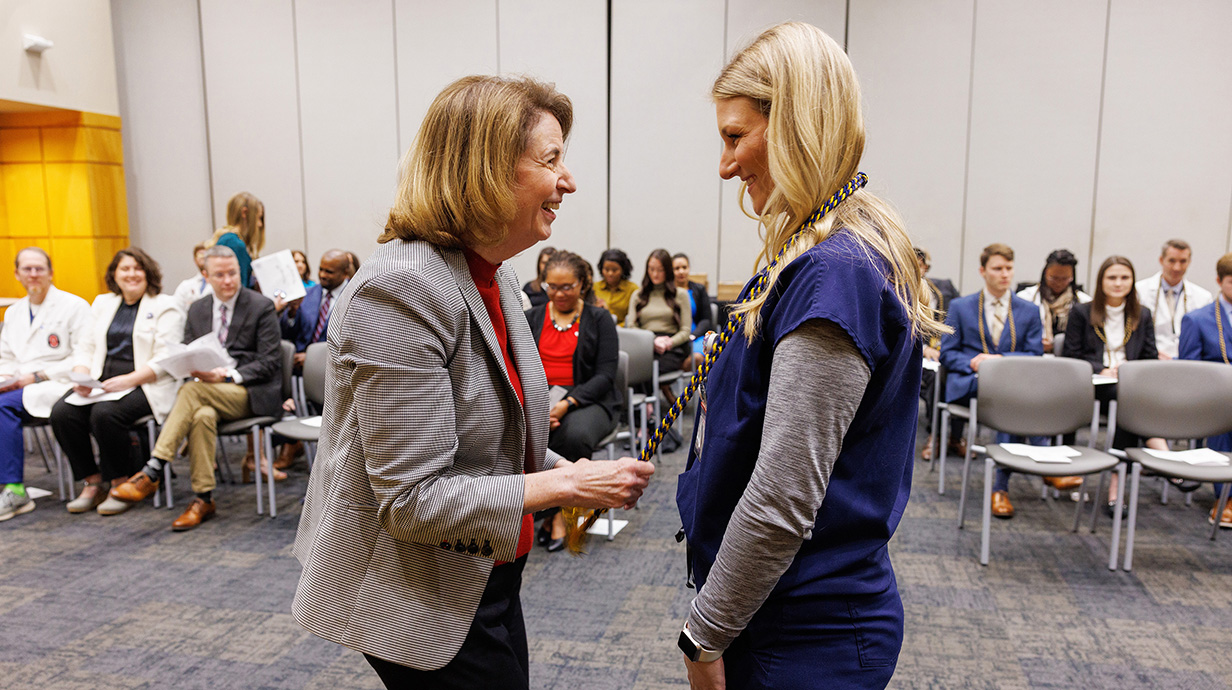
<point x="278" y="276"/>
<point x="1101" y="380"/>
<point x="86" y="380"/>
<point x="1197" y="456"/>
<point x="96" y="396"/>
<point x="932" y="365"/>
<point x="202" y="354"/>
<point x="311" y="421"/>
<point x="1052" y="454"/>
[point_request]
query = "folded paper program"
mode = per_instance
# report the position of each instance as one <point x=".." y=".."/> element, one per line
<point x="203" y="354"/>
<point x="1053" y="454"/>
<point x="1197" y="456"/>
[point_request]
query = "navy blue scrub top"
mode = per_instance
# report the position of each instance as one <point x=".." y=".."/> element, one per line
<point x="842" y="281"/>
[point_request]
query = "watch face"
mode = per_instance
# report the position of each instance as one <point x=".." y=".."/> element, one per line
<point x="686" y="645"/>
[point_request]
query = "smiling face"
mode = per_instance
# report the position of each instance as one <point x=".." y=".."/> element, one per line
<point x="1118" y="281"/>
<point x="563" y="288"/>
<point x="743" y="129"/>
<point x="334" y="269"/>
<point x="130" y="276"/>
<point x="542" y="181"/>
<point x="680" y="271"/>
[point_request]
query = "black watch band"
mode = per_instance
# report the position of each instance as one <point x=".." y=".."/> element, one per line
<point x="693" y="651"/>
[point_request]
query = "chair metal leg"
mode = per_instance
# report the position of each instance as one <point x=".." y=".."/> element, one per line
<point x="944" y="450"/>
<point x="1223" y="501"/>
<point x="1081" y="503"/>
<point x="1098" y="500"/>
<point x="1116" y="517"/>
<point x="268" y="435"/>
<point x="611" y="527"/>
<point x="935" y="402"/>
<point x="1189" y="499"/>
<point x="1163" y="491"/>
<point x="1135" y="479"/>
<point x="962" y="494"/>
<point x="986" y="528"/>
<point x="66" y="473"/>
<point x="256" y="450"/>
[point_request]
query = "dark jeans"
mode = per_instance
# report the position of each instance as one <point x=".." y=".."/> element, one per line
<point x="580" y="431"/>
<point x="12" y="443"/>
<point x="493" y="655"/>
<point x="110" y="423"/>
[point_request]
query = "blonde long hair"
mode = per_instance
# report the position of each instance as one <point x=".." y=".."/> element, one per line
<point x="246" y="226"/>
<point x="804" y="84"/>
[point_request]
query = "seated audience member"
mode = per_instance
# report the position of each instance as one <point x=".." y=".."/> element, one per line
<point x="43" y="340"/>
<point x="244" y="233"/>
<point x="1170" y="297"/>
<point x="659" y="307"/>
<point x="305" y="271"/>
<point x="990" y="323"/>
<point x="699" y="302"/>
<point x="1206" y="334"/>
<point x="1055" y="293"/>
<point x="192" y="289"/>
<point x="939" y="293"/>
<point x="354" y="264"/>
<point x="579" y="349"/>
<point x="245" y="322"/>
<point x="133" y="326"/>
<point x="615" y="288"/>
<point x="534" y="288"/>
<point x="1108" y="331"/>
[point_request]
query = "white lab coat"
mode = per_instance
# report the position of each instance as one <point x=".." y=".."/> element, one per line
<point x="1168" y="325"/>
<point x="189" y="291"/>
<point x="54" y="343"/>
<point x="159" y="323"/>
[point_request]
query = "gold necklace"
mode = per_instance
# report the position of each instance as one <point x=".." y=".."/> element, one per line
<point x="1223" y="347"/>
<point x="1009" y="312"/>
<point x="1103" y="338"/>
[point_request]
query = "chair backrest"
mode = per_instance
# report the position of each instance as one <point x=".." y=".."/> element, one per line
<point x="315" y="359"/>
<point x="1035" y="396"/>
<point x="1058" y="343"/>
<point x="639" y="344"/>
<point x="714" y="317"/>
<point x="288" y="362"/>
<point x="1177" y="399"/>
<point x="622" y="380"/>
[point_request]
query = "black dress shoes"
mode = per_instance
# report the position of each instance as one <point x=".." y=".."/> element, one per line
<point x="556" y="545"/>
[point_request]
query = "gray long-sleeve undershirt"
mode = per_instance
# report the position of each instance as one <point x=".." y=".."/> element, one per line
<point x="817" y="380"/>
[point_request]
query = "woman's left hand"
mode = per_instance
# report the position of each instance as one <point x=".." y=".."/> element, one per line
<point x="558" y="412"/>
<point x="706" y="675"/>
<point x="662" y="344"/>
<point x="116" y="383"/>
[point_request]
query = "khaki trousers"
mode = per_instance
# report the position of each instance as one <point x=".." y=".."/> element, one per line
<point x="195" y="415"/>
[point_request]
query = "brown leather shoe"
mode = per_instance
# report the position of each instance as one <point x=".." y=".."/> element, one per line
<point x="1063" y="483"/>
<point x="250" y="466"/>
<point x="286" y="457"/>
<point x="958" y="446"/>
<point x="198" y="512"/>
<point x="1225" y="520"/>
<point x="1001" y="506"/>
<point x="138" y="488"/>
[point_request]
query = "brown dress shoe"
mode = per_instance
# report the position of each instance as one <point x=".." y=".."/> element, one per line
<point x="138" y="488"/>
<point x="286" y="457"/>
<point x="198" y="512"/>
<point x="1225" y="520"/>
<point x="958" y="446"/>
<point x="1063" y="483"/>
<point x="926" y="453"/>
<point x="250" y="466"/>
<point x="1001" y="506"/>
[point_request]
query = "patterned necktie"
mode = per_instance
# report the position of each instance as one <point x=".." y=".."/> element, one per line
<point x="1171" y="297"/>
<point x="998" y="320"/>
<point x="322" y="319"/>
<point x="222" y="324"/>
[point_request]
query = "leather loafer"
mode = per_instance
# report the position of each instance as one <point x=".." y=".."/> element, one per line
<point x="286" y="457"/>
<point x="1001" y="506"/>
<point x="1063" y="483"/>
<point x="138" y="488"/>
<point x="1225" y="520"/>
<point x="198" y="512"/>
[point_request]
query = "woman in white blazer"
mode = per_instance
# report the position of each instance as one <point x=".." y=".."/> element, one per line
<point x="133" y="327"/>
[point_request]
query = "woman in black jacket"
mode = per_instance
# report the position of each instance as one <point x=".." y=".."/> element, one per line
<point x="579" y="348"/>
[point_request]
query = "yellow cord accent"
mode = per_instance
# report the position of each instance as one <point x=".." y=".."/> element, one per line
<point x="1009" y="315"/>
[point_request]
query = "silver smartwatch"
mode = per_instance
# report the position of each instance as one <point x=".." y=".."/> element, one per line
<point x="694" y="651"/>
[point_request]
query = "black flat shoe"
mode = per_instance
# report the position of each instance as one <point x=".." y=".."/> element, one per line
<point x="556" y="545"/>
<point x="1184" y="485"/>
<point x="544" y="535"/>
<point x="1110" y="509"/>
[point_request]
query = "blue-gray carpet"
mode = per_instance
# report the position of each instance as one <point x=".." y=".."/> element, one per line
<point x="123" y="602"/>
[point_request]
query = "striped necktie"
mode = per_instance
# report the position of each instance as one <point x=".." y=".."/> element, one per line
<point x="998" y="321"/>
<point x="222" y="324"/>
<point x="322" y="318"/>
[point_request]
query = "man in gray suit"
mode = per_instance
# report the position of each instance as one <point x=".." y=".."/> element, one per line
<point x="246" y="324"/>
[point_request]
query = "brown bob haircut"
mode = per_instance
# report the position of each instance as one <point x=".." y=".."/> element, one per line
<point x="458" y="179"/>
<point x="996" y="249"/>
<point x="153" y="274"/>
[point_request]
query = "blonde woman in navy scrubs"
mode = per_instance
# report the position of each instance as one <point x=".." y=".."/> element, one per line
<point x="801" y="460"/>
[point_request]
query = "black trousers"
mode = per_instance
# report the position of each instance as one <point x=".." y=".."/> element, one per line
<point x="494" y="653"/>
<point x="110" y="423"/>
<point x="580" y="431"/>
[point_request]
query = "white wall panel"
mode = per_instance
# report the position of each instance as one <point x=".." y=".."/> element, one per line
<point x="348" y="111"/>
<point x="665" y="148"/>
<point x="1165" y="167"/>
<point x="913" y="60"/>
<point x="740" y="242"/>
<point x="78" y="73"/>
<point x="581" y="34"/>
<point x="166" y="160"/>
<point x="251" y="103"/>
<point x="439" y="42"/>
<point x="1034" y="124"/>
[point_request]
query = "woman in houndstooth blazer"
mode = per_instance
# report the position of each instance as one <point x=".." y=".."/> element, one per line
<point x="433" y="453"/>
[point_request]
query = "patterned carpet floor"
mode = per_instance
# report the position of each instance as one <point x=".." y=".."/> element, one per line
<point x="123" y="602"/>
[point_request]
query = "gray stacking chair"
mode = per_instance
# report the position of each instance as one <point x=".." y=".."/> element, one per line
<point x="40" y="429"/>
<point x="643" y="369"/>
<point x="316" y="357"/>
<point x="257" y="428"/>
<point x="1038" y="396"/>
<point x="619" y="434"/>
<point x="1173" y="400"/>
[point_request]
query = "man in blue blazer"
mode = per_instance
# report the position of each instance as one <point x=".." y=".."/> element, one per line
<point x="1010" y="327"/>
<point x="1201" y="330"/>
<point x="310" y="322"/>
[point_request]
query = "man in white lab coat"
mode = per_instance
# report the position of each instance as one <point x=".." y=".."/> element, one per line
<point x="42" y="341"/>
<point x="1170" y="297"/>
<point x="192" y="289"/>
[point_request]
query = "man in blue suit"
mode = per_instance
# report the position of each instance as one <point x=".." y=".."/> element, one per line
<point x="1010" y="326"/>
<point x="1201" y="332"/>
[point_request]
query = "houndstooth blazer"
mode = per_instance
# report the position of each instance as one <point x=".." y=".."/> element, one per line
<point x="418" y="482"/>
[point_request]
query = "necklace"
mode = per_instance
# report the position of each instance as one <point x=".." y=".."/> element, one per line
<point x="1009" y="316"/>
<point x="552" y="313"/>
<point x="1184" y="302"/>
<point x="1124" y="341"/>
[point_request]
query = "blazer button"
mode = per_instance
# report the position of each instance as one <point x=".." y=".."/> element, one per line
<point x="459" y="546"/>
<point x="487" y="550"/>
<point x="473" y="548"/>
<point x="445" y="545"/>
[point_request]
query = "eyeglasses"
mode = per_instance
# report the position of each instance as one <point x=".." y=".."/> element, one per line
<point x="569" y="287"/>
<point x="32" y="270"/>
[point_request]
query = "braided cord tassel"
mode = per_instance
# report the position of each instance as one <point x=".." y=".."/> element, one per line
<point x="576" y="536"/>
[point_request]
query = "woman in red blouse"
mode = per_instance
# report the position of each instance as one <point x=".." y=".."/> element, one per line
<point x="579" y="348"/>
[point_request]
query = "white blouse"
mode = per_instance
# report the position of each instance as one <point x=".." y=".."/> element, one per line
<point x="1114" y="334"/>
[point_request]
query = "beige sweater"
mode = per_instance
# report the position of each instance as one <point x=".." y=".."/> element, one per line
<point x="657" y="315"/>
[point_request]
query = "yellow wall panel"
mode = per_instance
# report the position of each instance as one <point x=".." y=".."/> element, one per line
<point x="20" y="146"/>
<point x="70" y="210"/>
<point x="23" y="202"/>
<point x="109" y="200"/>
<point x="59" y="118"/>
<point x="81" y="262"/>
<point x="85" y="144"/>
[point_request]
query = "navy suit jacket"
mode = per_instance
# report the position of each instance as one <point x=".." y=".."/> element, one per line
<point x="959" y="347"/>
<point x="1200" y="341"/>
<point x="299" y="329"/>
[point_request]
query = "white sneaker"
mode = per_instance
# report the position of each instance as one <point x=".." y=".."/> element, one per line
<point x="11" y="504"/>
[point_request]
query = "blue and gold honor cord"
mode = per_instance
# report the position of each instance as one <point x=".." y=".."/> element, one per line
<point x="576" y="537"/>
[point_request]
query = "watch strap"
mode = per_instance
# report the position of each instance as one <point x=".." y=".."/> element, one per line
<point x="694" y="651"/>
